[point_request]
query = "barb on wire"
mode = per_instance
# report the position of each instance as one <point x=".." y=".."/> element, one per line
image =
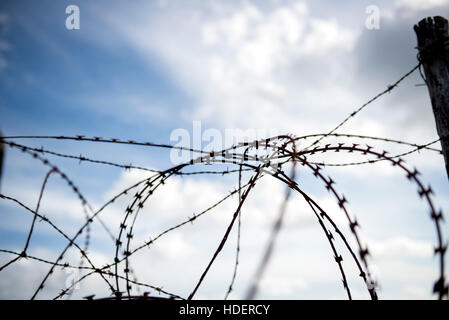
<point x="363" y="106"/>
<point x="252" y="160"/>
<point x="237" y="253"/>
<point x="276" y="227"/>
<point x="228" y="230"/>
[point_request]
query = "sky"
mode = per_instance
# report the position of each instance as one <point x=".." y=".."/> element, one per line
<point x="141" y="71"/>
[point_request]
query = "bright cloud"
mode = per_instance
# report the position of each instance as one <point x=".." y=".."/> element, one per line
<point x="420" y="4"/>
<point x="248" y="65"/>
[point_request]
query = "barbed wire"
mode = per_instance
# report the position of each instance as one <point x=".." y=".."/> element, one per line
<point x="278" y="172"/>
<point x="239" y="224"/>
<point x="243" y="158"/>
<point x="363" y="106"/>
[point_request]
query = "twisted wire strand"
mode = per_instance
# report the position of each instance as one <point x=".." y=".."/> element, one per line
<point x="152" y="241"/>
<point x="237" y="253"/>
<point x="440" y="286"/>
<point x="247" y="160"/>
<point x="363" y="106"/>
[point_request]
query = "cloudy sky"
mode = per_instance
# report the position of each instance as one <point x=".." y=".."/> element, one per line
<point x="142" y="71"/>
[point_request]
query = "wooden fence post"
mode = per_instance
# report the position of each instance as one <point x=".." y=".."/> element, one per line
<point x="433" y="46"/>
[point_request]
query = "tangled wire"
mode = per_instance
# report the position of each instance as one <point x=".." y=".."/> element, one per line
<point x="275" y="157"/>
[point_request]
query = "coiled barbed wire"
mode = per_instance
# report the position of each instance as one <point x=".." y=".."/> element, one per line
<point x="243" y="157"/>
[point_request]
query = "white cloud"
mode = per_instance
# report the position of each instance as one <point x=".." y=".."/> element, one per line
<point x="420" y="4"/>
<point x="326" y="36"/>
<point x="281" y="287"/>
<point x="21" y="279"/>
<point x="176" y="248"/>
<point x="401" y="247"/>
<point x="248" y="53"/>
<point x="299" y="243"/>
<point x="250" y="67"/>
<point x="241" y="59"/>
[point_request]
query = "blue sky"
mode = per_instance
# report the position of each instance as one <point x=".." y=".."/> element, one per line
<point x="54" y="83"/>
<point x="141" y="71"/>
